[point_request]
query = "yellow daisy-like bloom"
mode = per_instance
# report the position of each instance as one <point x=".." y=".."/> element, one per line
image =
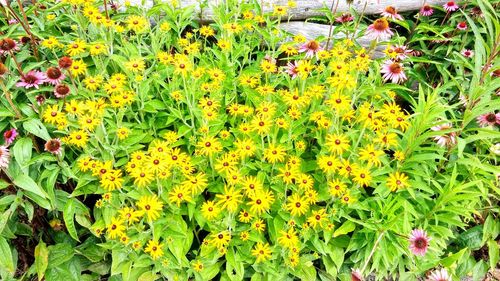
<point x="198" y="266"/>
<point x="261" y="201"/>
<point x="259" y="225"/>
<point x="221" y="239"/>
<point x="76" y="47"/>
<point x="165" y="26"/>
<point x="122" y="133"/>
<point x="97" y="49"/>
<point x="78" y="138"/>
<point x="288" y="239"/>
<point x="209" y="210"/>
<point x="135" y="65"/>
<point x="362" y="176"/>
<point x="371" y="155"/>
<point x="93" y="82"/>
<point x="142" y="177"/>
<point x="150" y="206"/>
<point x="244" y="216"/>
<point x="337" y="144"/>
<point x="78" y="68"/>
<point x="208" y="146"/>
<point x="116" y="228"/>
<point x="297" y="206"/>
<point x="178" y="195"/>
<point x="317" y="218"/>
<point x="51" y="43"/>
<point x="224" y="44"/>
<point x="267" y="66"/>
<point x="137" y="24"/>
<point x="129" y="214"/>
<point x="262" y="252"/>
<point x="336" y="187"/>
<point x="112" y="180"/>
<point x="206" y="31"/>
<point x="275" y="153"/>
<point x="154" y="249"/>
<point x="230" y="199"/>
<point x="397" y="181"/>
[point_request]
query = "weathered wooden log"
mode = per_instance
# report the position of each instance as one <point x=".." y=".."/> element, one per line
<point x="309" y="8"/>
<point x="315" y="30"/>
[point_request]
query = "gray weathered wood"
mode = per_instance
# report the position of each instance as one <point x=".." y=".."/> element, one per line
<point x="308" y="8"/>
<point x="314" y="30"/>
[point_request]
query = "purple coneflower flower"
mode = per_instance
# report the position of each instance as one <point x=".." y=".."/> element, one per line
<point x="54" y="75"/>
<point x="393" y="71"/>
<point x="31" y="79"/>
<point x="61" y="91"/>
<point x="448" y="139"/>
<point x="419" y="242"/>
<point x="462" y="25"/>
<point x="391" y="13"/>
<point x="401" y="51"/>
<point x="467" y="53"/>
<point x="488" y="119"/>
<point x="439" y="275"/>
<point x="311" y="48"/>
<point x="356" y="275"/>
<point x="379" y="29"/>
<point x="8" y="45"/>
<point x="345" y="17"/>
<point x="4" y="156"/>
<point x="9" y="136"/>
<point x="426" y="11"/>
<point x="450" y="6"/>
<point x="291" y="69"/>
<point x="53" y="146"/>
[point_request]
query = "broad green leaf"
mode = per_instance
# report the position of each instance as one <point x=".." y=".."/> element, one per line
<point x="493" y="253"/>
<point x="69" y="218"/>
<point x="36" y="127"/>
<point x="346" y="227"/>
<point x="6" y="258"/>
<point x="22" y="152"/>
<point x="25" y="182"/>
<point x="41" y="259"/>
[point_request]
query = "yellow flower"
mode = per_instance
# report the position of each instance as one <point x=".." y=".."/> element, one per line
<point x="51" y="43"/>
<point x="137" y="24"/>
<point x="135" y="65"/>
<point x="207" y="31"/>
<point x="76" y="47"/>
<point x="261" y="201"/>
<point x="116" y="228"/>
<point x="371" y="155"/>
<point x="224" y="44"/>
<point x="179" y="194"/>
<point x="78" y="138"/>
<point x="154" y="249"/>
<point x="337" y="144"/>
<point x="78" y="68"/>
<point x="50" y="17"/>
<point x="221" y="239"/>
<point x="362" y="176"/>
<point x="122" y="133"/>
<point x="279" y="11"/>
<point x="288" y="239"/>
<point x="397" y="181"/>
<point x="209" y="210"/>
<point x="262" y="252"/>
<point x="197" y="266"/>
<point x="274" y="153"/>
<point x="97" y="49"/>
<point x="165" y="26"/>
<point x="336" y="187"/>
<point x="208" y="146"/>
<point x="230" y="199"/>
<point x="151" y="206"/>
<point x="297" y="206"/>
<point x="317" y="218"/>
<point x="93" y="82"/>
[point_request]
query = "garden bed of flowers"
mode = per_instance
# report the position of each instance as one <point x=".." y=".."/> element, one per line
<point x="140" y="143"/>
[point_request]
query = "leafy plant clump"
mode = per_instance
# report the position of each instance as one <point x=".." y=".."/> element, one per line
<point x="141" y="143"/>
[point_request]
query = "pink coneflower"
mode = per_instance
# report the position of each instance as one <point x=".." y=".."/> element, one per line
<point x="311" y="48"/>
<point x="467" y="53"/>
<point x="291" y="69"/>
<point x="462" y="25"/>
<point x="61" y="91"/>
<point x="40" y="99"/>
<point x="426" y="11"/>
<point x="439" y="275"/>
<point x="9" y="136"/>
<point x="8" y="45"/>
<point x="393" y="71"/>
<point x="488" y="119"/>
<point x="53" y="146"/>
<point x="31" y="79"/>
<point x="356" y="275"/>
<point x="447" y="139"/>
<point x="450" y="6"/>
<point x="4" y="157"/>
<point x="379" y="29"/>
<point x="54" y="75"/>
<point x="346" y="17"/>
<point x="401" y="51"/>
<point x="3" y="69"/>
<point x="391" y="13"/>
<point x="419" y="242"/>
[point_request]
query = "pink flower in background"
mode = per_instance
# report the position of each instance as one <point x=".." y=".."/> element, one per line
<point x="393" y="71"/>
<point x="54" y="75"/>
<point x="9" y="136"/>
<point x="311" y="48"/>
<point x="4" y="157"/>
<point x="467" y="53"/>
<point x="462" y="25"/>
<point x="291" y="69"/>
<point x="419" y="242"/>
<point x="439" y="275"/>
<point x="61" y="91"/>
<point x="488" y="119"/>
<point x="447" y="139"/>
<point x="426" y="11"/>
<point x="379" y="29"/>
<point x="53" y="146"/>
<point x="8" y="45"/>
<point x="356" y="275"/>
<point x="32" y="79"/>
<point x="401" y="52"/>
<point x="391" y="13"/>
<point x="450" y="6"/>
<point x="346" y="17"/>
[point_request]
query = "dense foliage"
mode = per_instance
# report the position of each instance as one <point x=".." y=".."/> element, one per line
<point x="143" y="144"/>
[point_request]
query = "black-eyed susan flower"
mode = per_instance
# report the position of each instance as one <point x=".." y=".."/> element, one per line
<point x="150" y="206"/>
<point x="154" y="249"/>
<point x="397" y="181"/>
<point x="262" y="252"/>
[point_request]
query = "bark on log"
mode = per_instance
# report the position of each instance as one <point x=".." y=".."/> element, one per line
<point x="315" y="30"/>
<point x="308" y="8"/>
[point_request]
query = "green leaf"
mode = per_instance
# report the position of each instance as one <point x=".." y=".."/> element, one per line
<point x="493" y="253"/>
<point x="450" y="260"/>
<point x="41" y="259"/>
<point x="148" y="276"/>
<point x="346" y="227"/>
<point x="22" y="152"/>
<point x="6" y="259"/>
<point x="69" y="218"/>
<point x="36" y="127"/>
<point x="59" y="254"/>
<point x="25" y="182"/>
